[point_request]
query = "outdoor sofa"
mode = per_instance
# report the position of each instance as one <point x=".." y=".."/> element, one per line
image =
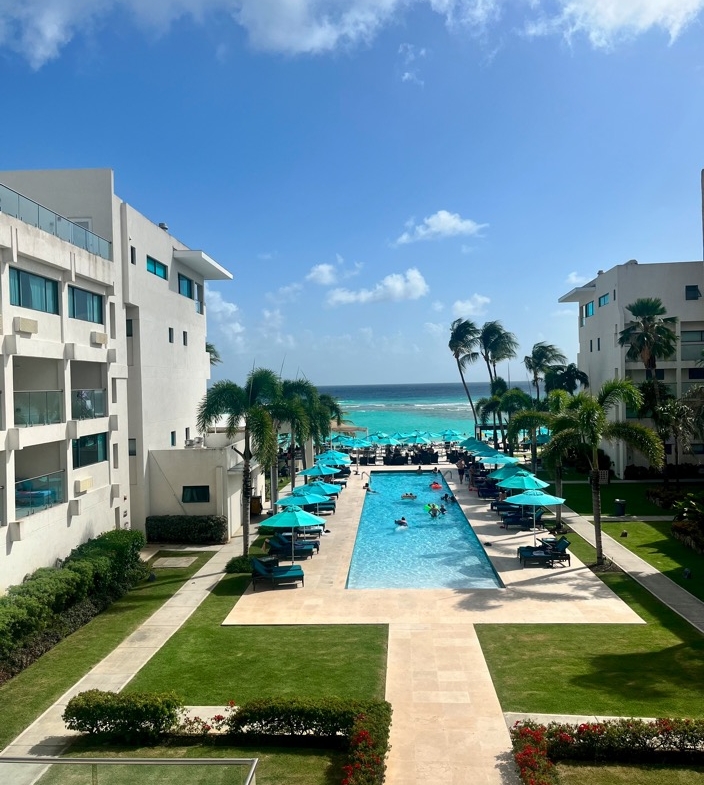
<point x="272" y="573"/>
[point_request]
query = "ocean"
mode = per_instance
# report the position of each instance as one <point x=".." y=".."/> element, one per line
<point x="409" y="407"/>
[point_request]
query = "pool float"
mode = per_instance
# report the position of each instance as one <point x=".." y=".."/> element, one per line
<point x="436" y="486"/>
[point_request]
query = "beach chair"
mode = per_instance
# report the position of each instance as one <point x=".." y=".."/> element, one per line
<point x="286" y="538"/>
<point x="545" y="555"/>
<point x="274" y="574"/>
<point x="301" y="550"/>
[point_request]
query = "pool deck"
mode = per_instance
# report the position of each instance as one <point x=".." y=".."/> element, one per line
<point x="448" y="726"/>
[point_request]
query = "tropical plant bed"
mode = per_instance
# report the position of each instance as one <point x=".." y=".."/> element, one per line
<point x="654" y="543"/>
<point x="577" y="773"/>
<point x="642" y="670"/>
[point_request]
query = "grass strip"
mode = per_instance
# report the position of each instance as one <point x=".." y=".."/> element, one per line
<point x="610" y="774"/>
<point x="31" y="692"/>
<point x="652" y="541"/>
<point x="650" y="670"/>
<point x="579" y="498"/>
<point x="208" y="664"/>
<point x="294" y="766"/>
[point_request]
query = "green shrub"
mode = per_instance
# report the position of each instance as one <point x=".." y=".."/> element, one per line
<point x="132" y="717"/>
<point x="239" y="564"/>
<point x="192" y="529"/>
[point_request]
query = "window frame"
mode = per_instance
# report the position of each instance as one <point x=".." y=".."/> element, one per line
<point x="603" y="300"/>
<point x="101" y="448"/>
<point x="184" y="282"/>
<point x="155" y="267"/>
<point x="195" y="491"/>
<point x="692" y="289"/>
<point x="589" y="309"/>
<point x="90" y="297"/>
<point x="20" y="282"/>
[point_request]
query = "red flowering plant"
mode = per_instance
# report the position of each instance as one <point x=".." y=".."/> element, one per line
<point x="530" y="751"/>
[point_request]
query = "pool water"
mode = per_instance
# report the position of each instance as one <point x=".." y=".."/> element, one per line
<point x="431" y="553"/>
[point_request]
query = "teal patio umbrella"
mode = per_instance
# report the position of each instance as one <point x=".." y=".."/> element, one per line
<point x="317" y="486"/>
<point x="298" y="499"/>
<point x="294" y="518"/>
<point x="536" y="498"/>
<point x="451" y="435"/>
<point x="505" y="471"/>
<point x="334" y="458"/>
<point x="522" y="481"/>
<point x="354" y="443"/>
<point x="319" y="470"/>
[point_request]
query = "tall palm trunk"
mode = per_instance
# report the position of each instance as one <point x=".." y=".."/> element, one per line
<point x="292" y="470"/>
<point x="596" y="508"/>
<point x="466" y="389"/>
<point x="558" y="492"/>
<point x="246" y="491"/>
<point x="534" y="449"/>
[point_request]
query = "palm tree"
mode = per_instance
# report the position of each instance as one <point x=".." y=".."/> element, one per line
<point x="694" y="400"/>
<point x="585" y="423"/>
<point x="565" y="377"/>
<point x="542" y="356"/>
<point x="495" y="345"/>
<point x="300" y="399"/>
<point x="650" y="335"/>
<point x="215" y="358"/>
<point x="674" y="419"/>
<point x="463" y="344"/>
<point x="245" y="407"/>
<point x="329" y="410"/>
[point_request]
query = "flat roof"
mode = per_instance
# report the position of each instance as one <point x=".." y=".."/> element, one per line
<point x="573" y="296"/>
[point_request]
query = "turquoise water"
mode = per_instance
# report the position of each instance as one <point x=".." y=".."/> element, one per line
<point x="431" y="553"/>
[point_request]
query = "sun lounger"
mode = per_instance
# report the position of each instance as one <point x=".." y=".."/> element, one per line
<point x="300" y="550"/>
<point x="525" y="524"/>
<point x="545" y="555"/>
<point x="286" y="538"/>
<point x="275" y="575"/>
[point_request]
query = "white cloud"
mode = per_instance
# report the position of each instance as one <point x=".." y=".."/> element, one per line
<point x="224" y="319"/>
<point x="323" y="274"/>
<point x="408" y="286"/>
<point x="285" y="294"/>
<point x="474" y="306"/>
<point x="439" y="225"/>
<point x="575" y="279"/>
<point x="271" y="330"/>
<point x="39" y="29"/>
<point x="437" y="306"/>
<point x="435" y="329"/>
<point x="357" y="268"/>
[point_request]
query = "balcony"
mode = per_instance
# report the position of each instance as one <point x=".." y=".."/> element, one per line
<point x="38" y="407"/>
<point x="88" y="404"/>
<point x="30" y="212"/>
<point x="38" y="493"/>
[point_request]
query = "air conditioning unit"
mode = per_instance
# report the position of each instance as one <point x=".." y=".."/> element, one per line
<point x="21" y="324"/>
<point x="99" y="339"/>
<point x="198" y="441"/>
<point x="83" y="485"/>
<point x="189" y="442"/>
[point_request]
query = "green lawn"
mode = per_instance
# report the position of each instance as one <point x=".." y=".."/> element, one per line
<point x="653" y="542"/>
<point x="207" y="664"/>
<point x="607" y="774"/>
<point x="650" y="670"/>
<point x="579" y="498"/>
<point x="35" y="689"/>
<point x="276" y="765"/>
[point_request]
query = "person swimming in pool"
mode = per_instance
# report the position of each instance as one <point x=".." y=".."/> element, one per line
<point x="401" y="521"/>
<point x="408" y="496"/>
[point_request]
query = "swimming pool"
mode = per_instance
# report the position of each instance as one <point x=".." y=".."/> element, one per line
<point x="431" y="553"/>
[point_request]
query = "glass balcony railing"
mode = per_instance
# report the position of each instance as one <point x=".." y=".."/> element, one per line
<point x="39" y="493"/>
<point x="38" y="407"/>
<point x="88" y="404"/>
<point x="30" y="212"/>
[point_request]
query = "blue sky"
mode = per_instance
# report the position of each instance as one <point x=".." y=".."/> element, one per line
<point x="370" y="170"/>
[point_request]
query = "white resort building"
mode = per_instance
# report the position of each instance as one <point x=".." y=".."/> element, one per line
<point x="602" y="316"/>
<point x="104" y="364"/>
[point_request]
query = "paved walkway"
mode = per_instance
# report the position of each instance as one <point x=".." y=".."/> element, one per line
<point x="448" y="727"/>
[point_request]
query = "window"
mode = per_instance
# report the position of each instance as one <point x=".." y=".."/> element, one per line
<point x="129" y="328"/>
<point x="589" y="309"/>
<point x="696" y="449"/>
<point x="33" y="291"/>
<point x="668" y="449"/>
<point x="159" y="269"/>
<point x="185" y="286"/>
<point x="692" y="293"/>
<point x="85" y="305"/>
<point x="133" y="254"/>
<point x="692" y="336"/>
<point x="195" y="494"/>
<point x="173" y="438"/>
<point x="696" y="373"/>
<point x="131" y="446"/>
<point x="171" y="334"/>
<point x="199" y="298"/>
<point x="659" y="374"/>
<point x="591" y="345"/>
<point x="188" y="434"/>
<point x="90" y="449"/>
<point x="604" y="299"/>
<point x="185" y="338"/>
<point x="598" y="344"/>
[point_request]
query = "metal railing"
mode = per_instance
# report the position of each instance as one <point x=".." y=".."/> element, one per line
<point x="88" y="404"/>
<point x="30" y="212"/>
<point x="38" y="407"/>
<point x="39" y="493"/>
<point x="246" y="767"/>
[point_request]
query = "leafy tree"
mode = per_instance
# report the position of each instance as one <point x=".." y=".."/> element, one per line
<point x="694" y="400"/>
<point x="245" y="408"/>
<point x="675" y="420"/>
<point x="215" y="358"/>
<point x="585" y="423"/>
<point x="538" y="362"/>
<point x="650" y="335"/>
<point x="463" y="343"/>
<point x="565" y="377"/>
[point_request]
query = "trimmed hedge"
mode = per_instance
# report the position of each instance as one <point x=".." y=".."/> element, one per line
<point x="51" y="603"/>
<point x="360" y="726"/>
<point x="537" y="747"/>
<point x="192" y="529"/>
<point x="136" y="717"/>
<point x="239" y="564"/>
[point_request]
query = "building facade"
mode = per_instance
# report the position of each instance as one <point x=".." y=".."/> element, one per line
<point x="103" y="320"/>
<point x="603" y="315"/>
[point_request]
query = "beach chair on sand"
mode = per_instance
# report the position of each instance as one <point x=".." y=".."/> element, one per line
<point x="274" y="574"/>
